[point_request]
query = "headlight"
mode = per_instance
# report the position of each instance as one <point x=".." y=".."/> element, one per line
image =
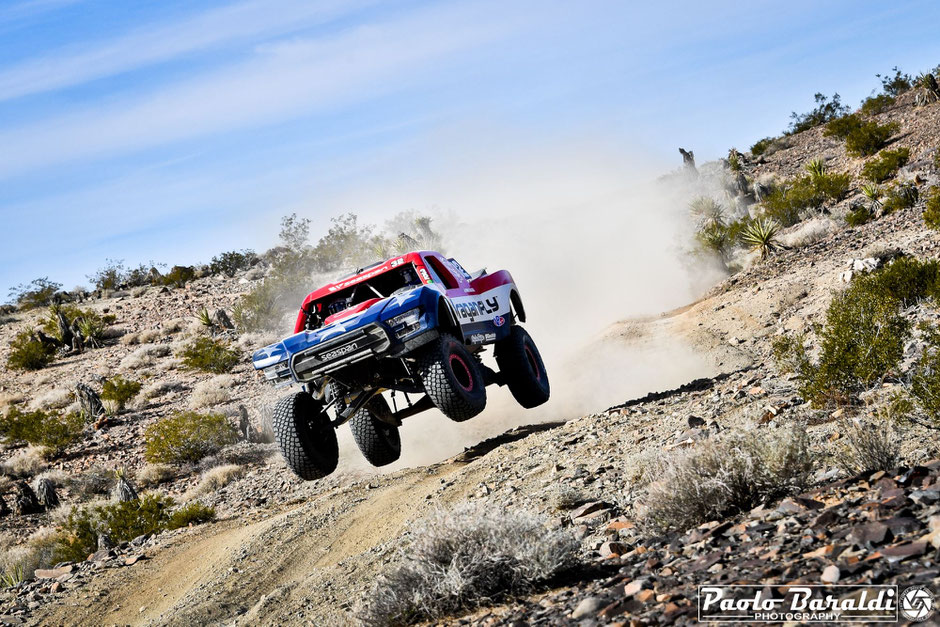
<point x="405" y="324"/>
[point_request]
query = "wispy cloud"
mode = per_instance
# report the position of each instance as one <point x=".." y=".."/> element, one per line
<point x="282" y="81"/>
<point x="20" y="11"/>
<point x="149" y="45"/>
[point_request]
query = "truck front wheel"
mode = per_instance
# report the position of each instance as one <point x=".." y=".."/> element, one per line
<point x="305" y="436"/>
<point x="378" y="440"/>
<point x="452" y="378"/>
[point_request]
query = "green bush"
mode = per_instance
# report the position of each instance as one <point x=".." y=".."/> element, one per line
<point x="857" y="216"/>
<point x="761" y="146"/>
<point x="869" y="138"/>
<point x="28" y="353"/>
<point x="899" y="197"/>
<point x="194" y="513"/>
<point x="91" y="324"/>
<point x="187" y="437"/>
<point x="862" y="138"/>
<point x="178" y="276"/>
<point x="785" y="202"/>
<point x="41" y="428"/>
<point x="825" y="111"/>
<point x="714" y="237"/>
<point x="209" y="355"/>
<point x="885" y="165"/>
<point x="895" y="84"/>
<point x="120" y="390"/>
<point x="874" y="105"/>
<point x="123" y="521"/>
<point x="230" y="262"/>
<point x="110" y="277"/>
<point x="932" y="210"/>
<point x="925" y="380"/>
<point x="37" y="293"/>
<point x="864" y="334"/>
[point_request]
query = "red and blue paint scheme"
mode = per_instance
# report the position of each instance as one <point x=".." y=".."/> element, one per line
<point x="388" y="310"/>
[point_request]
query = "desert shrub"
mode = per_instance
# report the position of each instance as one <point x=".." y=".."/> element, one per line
<point x="215" y="391"/>
<point x="260" y="309"/>
<point x="869" y="138"/>
<point x="825" y="111"/>
<point x="932" y="208"/>
<point x="903" y="196"/>
<point x="25" y="462"/>
<point x="725" y="475"/>
<point x="874" y="105"/>
<point x="110" y="277"/>
<point x="218" y="477"/>
<point x="843" y="127"/>
<point x="786" y="202"/>
<point x="91" y="482"/>
<point x="28" y="353"/>
<point x="187" y="437"/>
<point x="465" y="558"/>
<point x="862" y="138"/>
<point x="715" y="238"/>
<point x="885" y="165"/>
<point x="178" y="276"/>
<point x="120" y="390"/>
<point x="190" y="514"/>
<point x="895" y="84"/>
<point x="925" y="376"/>
<point x="859" y="215"/>
<point x="864" y="334"/>
<point x="155" y="474"/>
<point x="91" y="324"/>
<point x="228" y="263"/>
<point x="123" y="521"/>
<point x="37" y="293"/>
<point x="565" y="497"/>
<point x="209" y="355"/>
<point x="810" y="232"/>
<point x="761" y="145"/>
<point x="41" y="428"/>
<point x="869" y="446"/>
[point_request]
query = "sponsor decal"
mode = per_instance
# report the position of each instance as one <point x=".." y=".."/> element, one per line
<point x="482" y="338"/>
<point x="475" y="309"/>
<point x="424" y="275"/>
<point x="499" y="321"/>
<point x="339" y="352"/>
<point x="359" y="279"/>
<point x="805" y="603"/>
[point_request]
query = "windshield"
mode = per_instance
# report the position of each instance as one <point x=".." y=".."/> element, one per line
<point x="387" y="284"/>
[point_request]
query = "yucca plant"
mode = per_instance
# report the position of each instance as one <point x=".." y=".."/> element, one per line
<point x="873" y="193"/>
<point x="715" y="237"/>
<point x="761" y="235"/>
<point x="204" y="318"/>
<point x="13" y="577"/>
<point x="708" y="210"/>
<point x="816" y="168"/>
<point x="92" y="330"/>
<point x="734" y="160"/>
<point x="929" y="91"/>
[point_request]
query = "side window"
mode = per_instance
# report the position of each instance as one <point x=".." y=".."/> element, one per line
<point x="442" y="272"/>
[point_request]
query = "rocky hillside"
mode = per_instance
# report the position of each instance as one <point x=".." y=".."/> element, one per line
<point x="281" y="551"/>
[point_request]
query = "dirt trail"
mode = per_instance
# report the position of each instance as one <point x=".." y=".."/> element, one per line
<point x="279" y="567"/>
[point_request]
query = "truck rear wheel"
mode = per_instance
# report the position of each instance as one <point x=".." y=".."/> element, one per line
<point x="378" y="440"/>
<point x="305" y="436"/>
<point x="522" y="369"/>
<point x="452" y="378"/>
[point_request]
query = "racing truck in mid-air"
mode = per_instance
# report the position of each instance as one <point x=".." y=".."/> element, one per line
<point x="415" y="325"/>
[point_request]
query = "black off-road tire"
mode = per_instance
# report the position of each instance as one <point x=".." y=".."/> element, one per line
<point x="522" y="368"/>
<point x="379" y="441"/>
<point x="305" y="436"/>
<point x="452" y="378"/>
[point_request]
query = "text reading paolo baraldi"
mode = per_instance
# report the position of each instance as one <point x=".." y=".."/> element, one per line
<point x="802" y="603"/>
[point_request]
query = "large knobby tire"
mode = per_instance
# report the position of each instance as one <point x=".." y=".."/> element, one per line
<point x="521" y="365"/>
<point x="452" y="378"/>
<point x="306" y="437"/>
<point x="379" y="441"/>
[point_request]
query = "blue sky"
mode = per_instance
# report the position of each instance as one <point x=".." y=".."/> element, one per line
<point x="171" y="130"/>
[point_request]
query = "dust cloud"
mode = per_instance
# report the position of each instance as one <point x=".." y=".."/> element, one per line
<point x="591" y="237"/>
